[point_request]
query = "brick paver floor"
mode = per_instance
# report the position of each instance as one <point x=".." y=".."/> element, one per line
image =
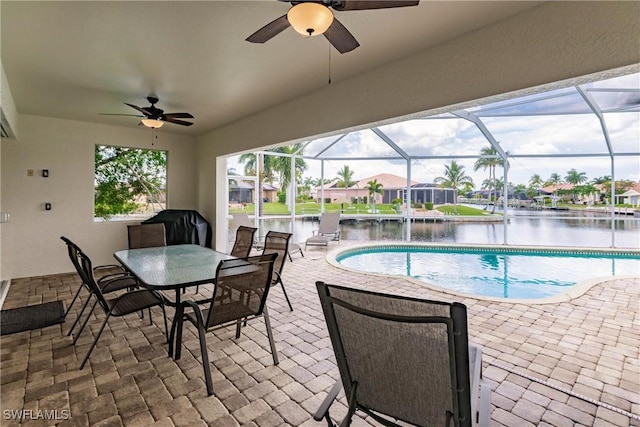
<point x="573" y="363"/>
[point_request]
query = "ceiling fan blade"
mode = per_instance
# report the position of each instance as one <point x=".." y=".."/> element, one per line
<point x="270" y="30"/>
<point x="372" y="4"/>
<point x="340" y="37"/>
<point x="142" y="110"/>
<point x="178" y="122"/>
<point x="115" y="114"/>
<point x="177" y="116"/>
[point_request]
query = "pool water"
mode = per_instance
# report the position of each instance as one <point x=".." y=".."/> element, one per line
<point x="493" y="272"/>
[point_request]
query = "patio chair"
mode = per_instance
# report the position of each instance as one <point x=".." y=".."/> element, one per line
<point x="146" y="235"/>
<point x="109" y="278"/>
<point x="121" y="305"/>
<point x="403" y="360"/>
<point x="328" y="230"/>
<point x="240" y="293"/>
<point x="278" y="242"/>
<point x="242" y="219"/>
<point x="244" y="241"/>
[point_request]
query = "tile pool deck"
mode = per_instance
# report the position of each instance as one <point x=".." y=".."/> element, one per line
<point x="558" y="364"/>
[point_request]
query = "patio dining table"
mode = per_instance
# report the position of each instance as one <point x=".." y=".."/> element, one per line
<point x="174" y="267"/>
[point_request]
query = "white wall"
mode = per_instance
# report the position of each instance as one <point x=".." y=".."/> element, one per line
<point x="31" y="242"/>
<point x="551" y="43"/>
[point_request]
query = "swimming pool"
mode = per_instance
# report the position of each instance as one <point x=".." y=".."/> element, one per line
<point x="503" y="272"/>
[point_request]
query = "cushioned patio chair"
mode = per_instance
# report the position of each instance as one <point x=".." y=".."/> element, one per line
<point x="241" y="219"/>
<point x="328" y="230"/>
<point x="403" y="360"/>
<point x="239" y="294"/>
<point x="278" y="243"/>
<point x="146" y="235"/>
<point x="120" y="305"/>
<point x="244" y="241"/>
<point x="109" y="278"/>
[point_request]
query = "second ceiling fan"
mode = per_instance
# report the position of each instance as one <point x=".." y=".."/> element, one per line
<point x="312" y="18"/>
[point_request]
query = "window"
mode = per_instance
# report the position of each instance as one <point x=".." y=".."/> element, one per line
<point x="129" y="182"/>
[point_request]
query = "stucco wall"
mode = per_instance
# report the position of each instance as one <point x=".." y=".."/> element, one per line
<point x="555" y="42"/>
<point x="31" y="242"/>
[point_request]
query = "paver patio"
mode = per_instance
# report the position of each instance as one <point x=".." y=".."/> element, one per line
<point x="557" y="364"/>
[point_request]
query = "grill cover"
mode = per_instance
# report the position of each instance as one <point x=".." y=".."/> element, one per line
<point x="183" y="227"/>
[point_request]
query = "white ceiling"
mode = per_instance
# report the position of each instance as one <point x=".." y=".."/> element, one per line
<point x="75" y="60"/>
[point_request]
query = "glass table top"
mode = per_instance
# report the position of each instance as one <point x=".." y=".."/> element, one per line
<point x="171" y="267"/>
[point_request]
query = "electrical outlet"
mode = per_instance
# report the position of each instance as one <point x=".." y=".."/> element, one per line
<point x="29" y="172"/>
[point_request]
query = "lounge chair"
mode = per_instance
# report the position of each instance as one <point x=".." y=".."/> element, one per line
<point x="403" y="359"/>
<point x="241" y="219"/>
<point x="328" y="230"/>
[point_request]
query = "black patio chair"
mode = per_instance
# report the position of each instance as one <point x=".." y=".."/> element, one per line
<point x="244" y="241"/>
<point x="146" y="235"/>
<point x="239" y="294"/>
<point x="120" y="305"/>
<point x="109" y="278"/>
<point x="278" y="243"/>
<point x="403" y="360"/>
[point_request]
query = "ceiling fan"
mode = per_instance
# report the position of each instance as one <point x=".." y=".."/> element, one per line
<point x="154" y="117"/>
<point x="312" y="18"/>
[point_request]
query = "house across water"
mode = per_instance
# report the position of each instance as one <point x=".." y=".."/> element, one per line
<point x="393" y="186"/>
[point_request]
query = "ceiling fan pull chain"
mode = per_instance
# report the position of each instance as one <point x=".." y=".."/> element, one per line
<point x="329" y="44"/>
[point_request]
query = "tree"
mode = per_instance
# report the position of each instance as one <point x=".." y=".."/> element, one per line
<point x="575" y="178"/>
<point x="454" y="177"/>
<point x="281" y="165"/>
<point x="345" y="179"/>
<point x="374" y="188"/>
<point x="536" y="182"/>
<point x="304" y="186"/>
<point x="272" y="167"/>
<point x="489" y="159"/>
<point x="555" y="180"/>
<point x="128" y="180"/>
<point x="518" y="190"/>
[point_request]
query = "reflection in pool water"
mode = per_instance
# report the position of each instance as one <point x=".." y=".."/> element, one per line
<point x="493" y="272"/>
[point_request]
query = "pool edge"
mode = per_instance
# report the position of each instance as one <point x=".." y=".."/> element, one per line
<point x="577" y="290"/>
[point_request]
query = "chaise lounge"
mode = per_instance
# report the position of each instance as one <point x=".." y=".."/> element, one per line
<point x="328" y="230"/>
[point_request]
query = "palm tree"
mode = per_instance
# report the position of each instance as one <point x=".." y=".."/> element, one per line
<point x="374" y="188"/>
<point x="345" y="179"/>
<point x="575" y="178"/>
<point x="555" y="179"/>
<point x="536" y="182"/>
<point x="282" y="165"/>
<point x="456" y="178"/>
<point x="489" y="159"/>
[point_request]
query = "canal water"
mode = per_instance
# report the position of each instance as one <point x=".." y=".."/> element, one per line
<point x="552" y="228"/>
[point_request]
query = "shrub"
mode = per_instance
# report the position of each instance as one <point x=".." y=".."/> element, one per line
<point x="428" y="206"/>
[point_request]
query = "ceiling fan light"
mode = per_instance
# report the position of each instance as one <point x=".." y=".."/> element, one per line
<point x="152" y="123"/>
<point x="310" y="19"/>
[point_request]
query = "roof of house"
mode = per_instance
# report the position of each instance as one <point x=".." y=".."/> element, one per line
<point x="386" y="179"/>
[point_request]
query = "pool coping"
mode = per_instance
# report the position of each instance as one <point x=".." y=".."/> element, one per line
<point x="577" y="290"/>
